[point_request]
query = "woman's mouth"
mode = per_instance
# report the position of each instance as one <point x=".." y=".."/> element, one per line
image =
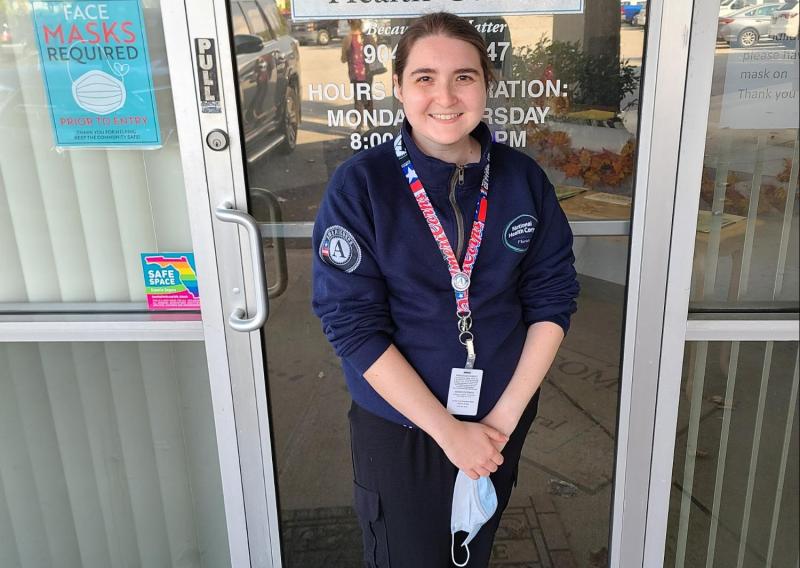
<point x="450" y="116"/>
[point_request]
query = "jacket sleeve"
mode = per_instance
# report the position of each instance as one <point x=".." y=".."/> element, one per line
<point x="548" y="284"/>
<point x="349" y="291"/>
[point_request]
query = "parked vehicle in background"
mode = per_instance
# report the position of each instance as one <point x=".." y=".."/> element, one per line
<point x="268" y="65"/>
<point x="319" y="32"/>
<point x="628" y="9"/>
<point x="731" y="6"/>
<point x="783" y="24"/>
<point x="745" y="27"/>
<point x="640" y="19"/>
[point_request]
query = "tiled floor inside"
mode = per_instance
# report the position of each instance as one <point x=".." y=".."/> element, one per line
<point x="530" y="536"/>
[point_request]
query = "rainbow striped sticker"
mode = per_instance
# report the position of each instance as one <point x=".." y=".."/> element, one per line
<point x="170" y="281"/>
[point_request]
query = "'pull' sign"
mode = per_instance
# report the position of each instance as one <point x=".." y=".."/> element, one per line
<point x="207" y="77"/>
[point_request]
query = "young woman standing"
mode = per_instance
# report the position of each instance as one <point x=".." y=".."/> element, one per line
<point x="444" y="280"/>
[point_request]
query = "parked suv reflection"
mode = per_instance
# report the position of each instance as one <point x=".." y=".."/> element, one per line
<point x="267" y="58"/>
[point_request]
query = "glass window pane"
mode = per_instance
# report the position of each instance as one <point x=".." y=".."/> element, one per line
<point x="734" y="499"/>
<point x="746" y="246"/>
<point x="564" y="81"/>
<point x="108" y="457"/>
<point x="73" y="219"/>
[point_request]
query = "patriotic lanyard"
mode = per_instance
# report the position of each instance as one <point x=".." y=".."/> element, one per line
<point x="459" y="275"/>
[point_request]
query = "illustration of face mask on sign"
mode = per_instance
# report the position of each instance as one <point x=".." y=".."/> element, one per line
<point x="99" y="92"/>
<point x="474" y="503"/>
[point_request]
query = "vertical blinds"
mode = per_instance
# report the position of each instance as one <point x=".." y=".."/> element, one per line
<point x="73" y="222"/>
<point x="107" y="457"/>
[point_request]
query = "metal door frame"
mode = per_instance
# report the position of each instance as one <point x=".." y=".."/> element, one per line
<point x="661" y="115"/>
<point x="226" y="257"/>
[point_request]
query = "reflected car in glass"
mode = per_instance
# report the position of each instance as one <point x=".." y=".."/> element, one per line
<point x="268" y="65"/>
<point x="746" y="27"/>
<point x="727" y="7"/>
<point x="627" y="10"/>
<point x="784" y="22"/>
<point x="319" y="32"/>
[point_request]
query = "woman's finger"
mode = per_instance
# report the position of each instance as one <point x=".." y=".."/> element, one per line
<point x="498" y="458"/>
<point x="482" y="471"/>
<point x="495" y="434"/>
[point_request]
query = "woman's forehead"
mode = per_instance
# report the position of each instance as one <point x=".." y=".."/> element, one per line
<point x="442" y="53"/>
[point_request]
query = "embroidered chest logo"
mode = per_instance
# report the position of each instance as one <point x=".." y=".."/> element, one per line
<point x="519" y="232"/>
<point x="340" y="249"/>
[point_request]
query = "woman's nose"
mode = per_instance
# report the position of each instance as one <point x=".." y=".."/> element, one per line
<point x="446" y="95"/>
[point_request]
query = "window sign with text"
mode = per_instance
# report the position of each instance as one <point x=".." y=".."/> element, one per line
<point x="761" y="90"/>
<point x="97" y="73"/>
<point x="315" y="9"/>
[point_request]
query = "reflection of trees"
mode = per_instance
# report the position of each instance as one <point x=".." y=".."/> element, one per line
<point x="596" y="80"/>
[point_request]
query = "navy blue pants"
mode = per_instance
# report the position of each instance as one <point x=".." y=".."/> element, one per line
<point x="403" y="492"/>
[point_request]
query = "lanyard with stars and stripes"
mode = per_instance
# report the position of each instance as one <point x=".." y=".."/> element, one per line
<point x="459" y="275"/>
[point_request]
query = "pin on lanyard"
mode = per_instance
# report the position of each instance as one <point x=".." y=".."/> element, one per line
<point x="460" y="276"/>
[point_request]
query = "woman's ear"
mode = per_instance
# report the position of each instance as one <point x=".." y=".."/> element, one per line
<point x="396" y="88"/>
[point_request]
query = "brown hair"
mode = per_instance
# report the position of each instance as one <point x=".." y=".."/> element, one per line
<point x="445" y="24"/>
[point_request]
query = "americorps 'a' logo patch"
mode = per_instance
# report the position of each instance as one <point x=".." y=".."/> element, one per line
<point x="340" y="249"/>
<point x="519" y="232"/>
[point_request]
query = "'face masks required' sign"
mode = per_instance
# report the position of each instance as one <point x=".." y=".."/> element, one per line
<point x="97" y="74"/>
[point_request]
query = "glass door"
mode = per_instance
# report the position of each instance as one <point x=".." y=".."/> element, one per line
<point x="569" y="95"/>
<point x="725" y="474"/>
<point x="117" y="439"/>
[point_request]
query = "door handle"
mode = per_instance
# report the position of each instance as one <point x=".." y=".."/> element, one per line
<point x="260" y="197"/>
<point x="226" y="213"/>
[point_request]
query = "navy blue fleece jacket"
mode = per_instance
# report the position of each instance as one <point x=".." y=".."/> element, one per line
<point x="379" y="278"/>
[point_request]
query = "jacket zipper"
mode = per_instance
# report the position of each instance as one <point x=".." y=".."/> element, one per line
<point x="457" y="179"/>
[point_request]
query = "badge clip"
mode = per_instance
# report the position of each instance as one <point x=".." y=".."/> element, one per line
<point x="470" y="344"/>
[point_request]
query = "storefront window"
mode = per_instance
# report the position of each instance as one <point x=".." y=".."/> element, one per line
<point x="90" y="169"/>
<point x="733" y="498"/>
<point x="735" y="474"/>
<point x="746" y="249"/>
<point x="108" y="457"/>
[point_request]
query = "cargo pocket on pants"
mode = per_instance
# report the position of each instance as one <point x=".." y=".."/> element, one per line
<point x="373" y="527"/>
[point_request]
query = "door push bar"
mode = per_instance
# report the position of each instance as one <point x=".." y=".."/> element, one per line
<point x="226" y="213"/>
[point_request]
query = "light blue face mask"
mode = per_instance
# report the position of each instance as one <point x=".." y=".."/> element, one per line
<point x="474" y="503"/>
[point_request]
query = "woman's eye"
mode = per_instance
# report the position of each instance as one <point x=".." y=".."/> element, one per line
<point x="465" y="78"/>
<point x="423" y="79"/>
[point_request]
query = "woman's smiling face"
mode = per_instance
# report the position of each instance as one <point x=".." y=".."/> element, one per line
<point x="443" y="91"/>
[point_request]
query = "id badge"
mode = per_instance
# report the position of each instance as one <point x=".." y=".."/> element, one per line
<point x="465" y="391"/>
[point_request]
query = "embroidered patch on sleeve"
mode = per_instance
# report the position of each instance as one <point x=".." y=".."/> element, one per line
<point x="340" y="249"/>
<point x="519" y="232"/>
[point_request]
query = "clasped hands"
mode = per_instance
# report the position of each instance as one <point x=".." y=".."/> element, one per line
<point x="475" y="447"/>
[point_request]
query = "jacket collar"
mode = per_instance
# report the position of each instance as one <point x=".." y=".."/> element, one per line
<point x="436" y="174"/>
